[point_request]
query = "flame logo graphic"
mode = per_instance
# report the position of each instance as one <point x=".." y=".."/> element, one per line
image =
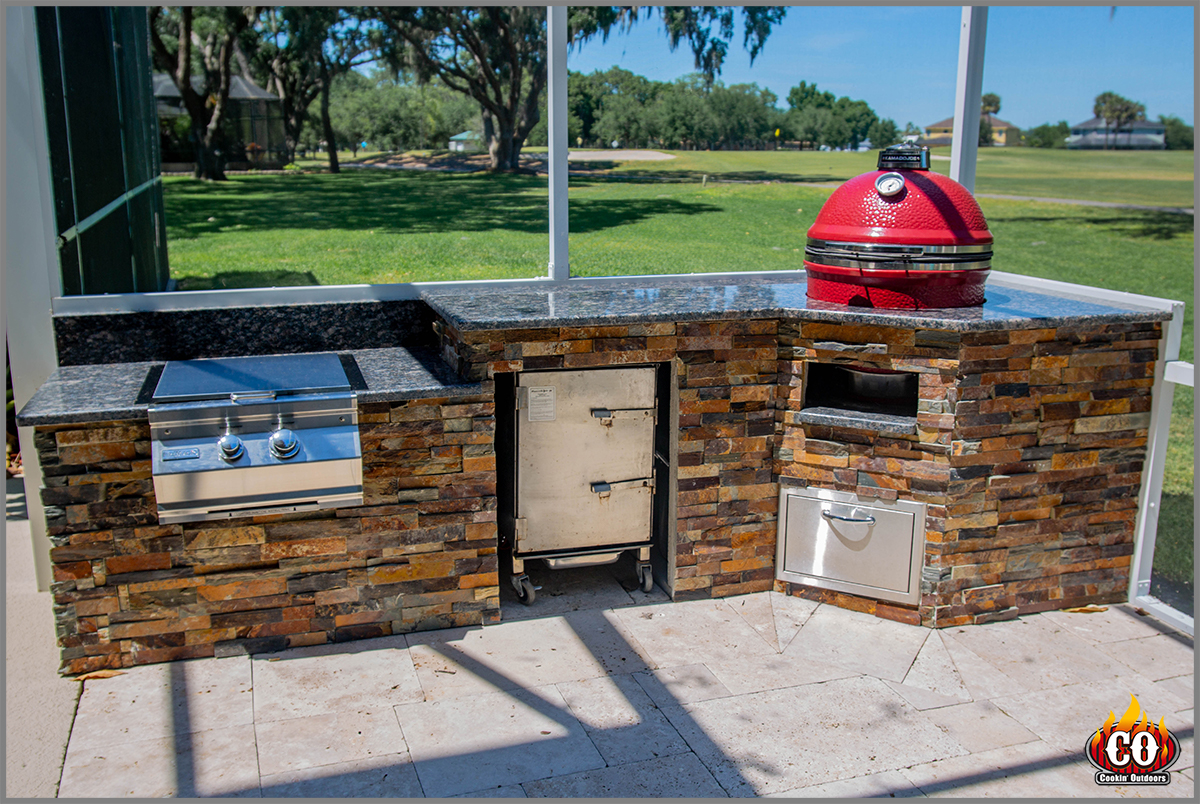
<point x="1118" y="747"/>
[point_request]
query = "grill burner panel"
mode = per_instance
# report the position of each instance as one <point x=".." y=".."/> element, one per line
<point x="249" y="436"/>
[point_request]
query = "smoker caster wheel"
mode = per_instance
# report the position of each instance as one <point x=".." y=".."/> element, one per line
<point x="526" y="591"/>
<point x="646" y="578"/>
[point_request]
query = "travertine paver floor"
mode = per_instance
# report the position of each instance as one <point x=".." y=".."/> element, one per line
<point x="606" y="692"/>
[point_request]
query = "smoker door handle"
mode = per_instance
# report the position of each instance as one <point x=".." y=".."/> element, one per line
<point x="604" y="489"/>
<point x="870" y="520"/>
<point x="627" y="413"/>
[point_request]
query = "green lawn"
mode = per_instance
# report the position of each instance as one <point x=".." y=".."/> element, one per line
<point x="1153" y="178"/>
<point x="355" y="227"/>
<point x="401" y="226"/>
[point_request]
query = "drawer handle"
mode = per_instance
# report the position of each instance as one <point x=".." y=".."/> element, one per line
<point x="870" y="520"/>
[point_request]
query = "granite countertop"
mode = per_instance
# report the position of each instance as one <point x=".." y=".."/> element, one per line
<point x="121" y="391"/>
<point x="1007" y="307"/>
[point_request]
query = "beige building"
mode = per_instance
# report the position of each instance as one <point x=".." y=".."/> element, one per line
<point x="1003" y="133"/>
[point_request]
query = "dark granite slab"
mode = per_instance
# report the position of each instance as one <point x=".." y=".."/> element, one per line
<point x="122" y="391"/>
<point x="97" y="338"/>
<point x="1007" y="307"/>
<point x="395" y="374"/>
<point x="111" y="392"/>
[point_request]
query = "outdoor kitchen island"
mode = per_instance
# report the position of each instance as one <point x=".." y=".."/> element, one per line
<point x="1022" y="432"/>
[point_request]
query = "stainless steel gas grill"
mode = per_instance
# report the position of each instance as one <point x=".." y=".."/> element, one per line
<point x="243" y="436"/>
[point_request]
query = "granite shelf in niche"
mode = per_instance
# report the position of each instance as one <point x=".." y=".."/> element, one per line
<point x="859" y="420"/>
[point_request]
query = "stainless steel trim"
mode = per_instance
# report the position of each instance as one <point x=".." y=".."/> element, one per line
<point x="619" y="547"/>
<point x="196" y="496"/>
<point x="897" y="265"/>
<point x="890" y="248"/>
<point x="172" y="517"/>
<point x="203" y="418"/>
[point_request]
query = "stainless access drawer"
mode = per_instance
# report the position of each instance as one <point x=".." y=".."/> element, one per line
<point x="839" y="541"/>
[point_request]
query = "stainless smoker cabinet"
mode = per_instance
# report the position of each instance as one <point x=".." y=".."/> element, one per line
<point x="584" y="470"/>
<point x="839" y="541"/>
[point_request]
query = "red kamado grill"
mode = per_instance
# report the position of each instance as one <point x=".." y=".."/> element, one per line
<point x="900" y="237"/>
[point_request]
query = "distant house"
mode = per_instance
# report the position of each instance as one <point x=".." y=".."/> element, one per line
<point x="1140" y="135"/>
<point x="1003" y="132"/>
<point x="466" y="141"/>
<point x="253" y="124"/>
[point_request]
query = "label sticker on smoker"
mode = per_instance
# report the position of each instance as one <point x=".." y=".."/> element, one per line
<point x="541" y="404"/>
<point x="180" y="453"/>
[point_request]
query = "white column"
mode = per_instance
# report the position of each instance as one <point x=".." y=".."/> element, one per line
<point x="967" y="95"/>
<point x="31" y="274"/>
<point x="556" y="45"/>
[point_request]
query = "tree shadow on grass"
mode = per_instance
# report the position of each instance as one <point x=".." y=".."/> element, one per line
<point x="248" y="279"/>
<point x="1126" y="222"/>
<point x="394" y="203"/>
<point x="648" y="176"/>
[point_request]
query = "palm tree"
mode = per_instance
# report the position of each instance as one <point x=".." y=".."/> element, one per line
<point x="1128" y="112"/>
<point x="1117" y="112"/>
<point x="989" y="105"/>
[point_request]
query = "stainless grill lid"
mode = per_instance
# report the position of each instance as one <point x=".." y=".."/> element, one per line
<point x="220" y="377"/>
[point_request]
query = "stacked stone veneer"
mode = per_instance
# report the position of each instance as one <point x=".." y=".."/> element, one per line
<point x="419" y="554"/>
<point x="1027" y="449"/>
<point x="726" y="500"/>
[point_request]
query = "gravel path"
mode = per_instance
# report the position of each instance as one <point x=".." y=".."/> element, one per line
<point x="617" y="155"/>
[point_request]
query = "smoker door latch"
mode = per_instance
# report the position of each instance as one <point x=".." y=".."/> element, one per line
<point x="605" y="489"/>
<point x="606" y="416"/>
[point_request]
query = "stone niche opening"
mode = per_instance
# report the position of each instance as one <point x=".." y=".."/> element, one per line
<point x="863" y="389"/>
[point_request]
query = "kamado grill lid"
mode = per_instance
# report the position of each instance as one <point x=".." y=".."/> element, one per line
<point x="282" y="375"/>
<point x="899" y="237"/>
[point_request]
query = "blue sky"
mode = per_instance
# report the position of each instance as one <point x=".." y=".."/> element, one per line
<point x="1047" y="63"/>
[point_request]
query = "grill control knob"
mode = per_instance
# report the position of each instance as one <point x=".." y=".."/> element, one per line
<point x="283" y="443"/>
<point x="229" y="447"/>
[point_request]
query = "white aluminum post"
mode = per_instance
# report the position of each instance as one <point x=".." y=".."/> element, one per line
<point x="968" y="95"/>
<point x="1166" y="372"/>
<point x="31" y="274"/>
<point x="556" y="100"/>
